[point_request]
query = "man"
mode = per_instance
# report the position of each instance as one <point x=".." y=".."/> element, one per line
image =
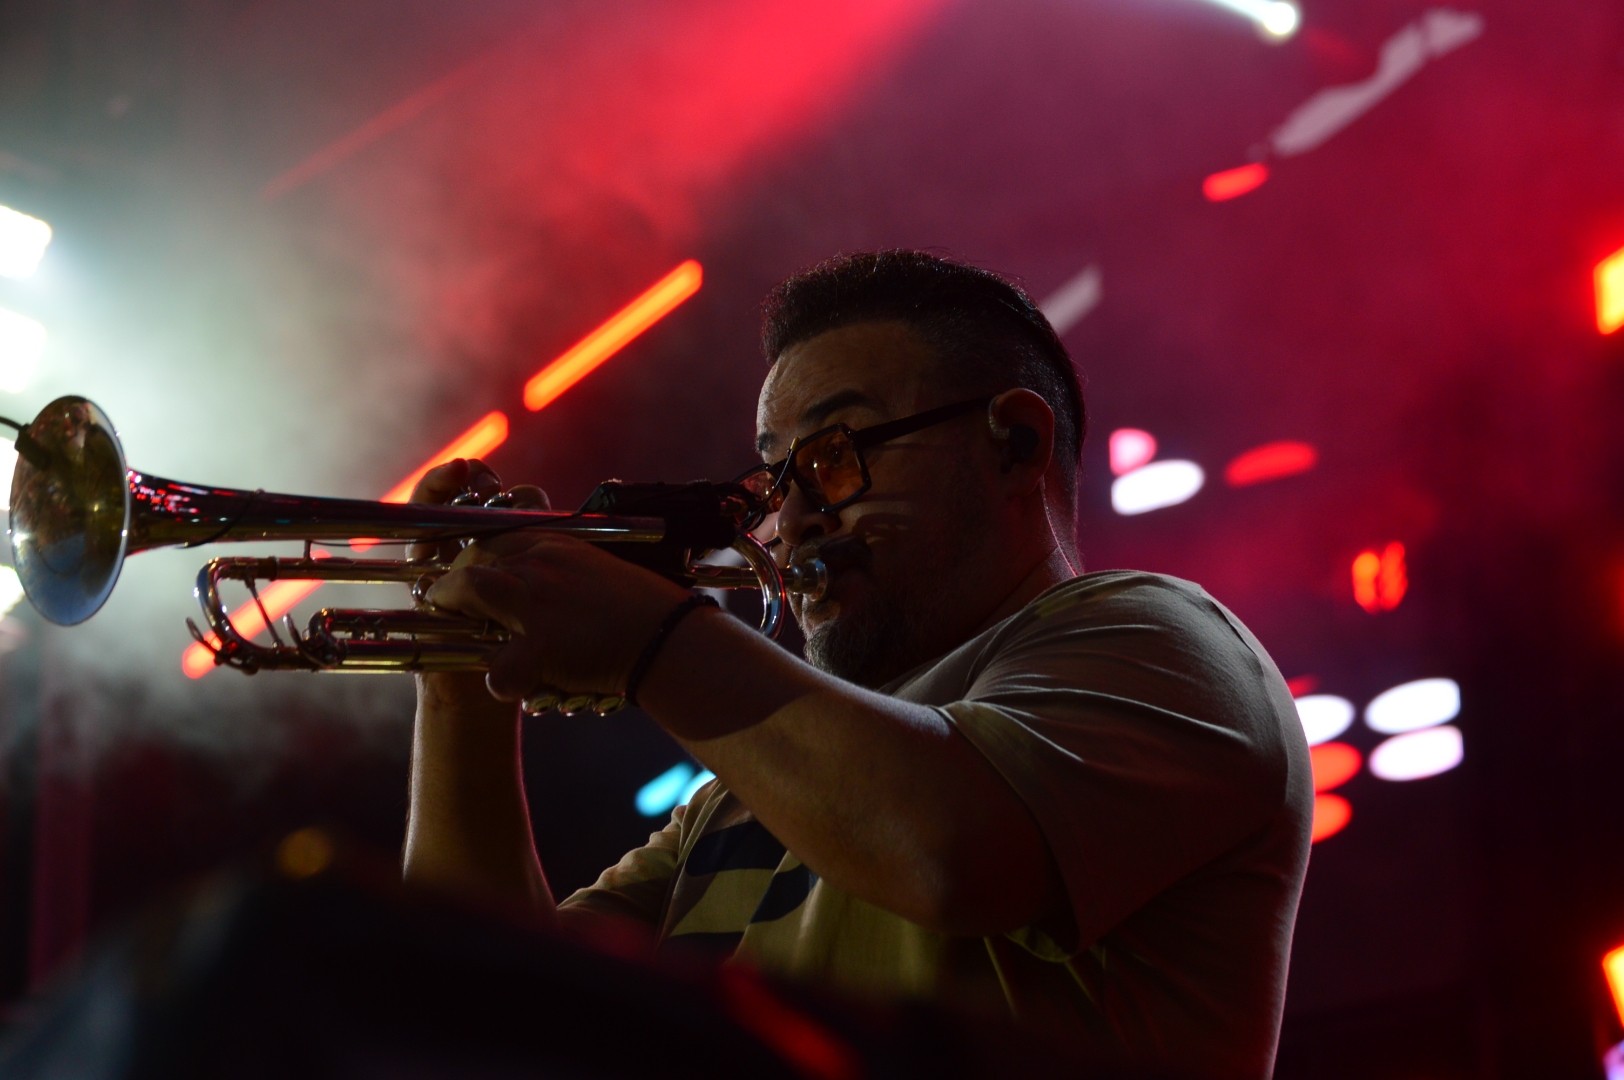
<point x="1081" y="798"/>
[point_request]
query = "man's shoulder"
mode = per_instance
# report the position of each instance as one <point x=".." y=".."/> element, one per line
<point x="1123" y="596"/>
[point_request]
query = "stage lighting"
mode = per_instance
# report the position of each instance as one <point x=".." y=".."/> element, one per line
<point x="1324" y="716"/>
<point x="11" y="589"/>
<point x="1130" y="448"/>
<point x="1334" y="764"/>
<point x="22" y="343"/>
<point x="1233" y="183"/>
<point x="1331" y="815"/>
<point x="1276" y="18"/>
<point x="663" y="792"/>
<point x="1154" y="486"/>
<point x="671" y="789"/>
<point x="1270" y="461"/>
<point x="1417" y="754"/>
<point x="8" y="466"/>
<point x="1610" y="292"/>
<point x="616" y="333"/>
<point x="1380" y="581"/>
<point x="23" y="241"/>
<point x="1612" y="965"/>
<point x="1414" y="705"/>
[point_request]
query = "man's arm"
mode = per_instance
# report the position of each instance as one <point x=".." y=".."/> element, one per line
<point x="468" y="827"/>
<point x="883" y="798"/>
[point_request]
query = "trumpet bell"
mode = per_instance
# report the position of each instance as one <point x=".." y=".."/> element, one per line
<point x="70" y="510"/>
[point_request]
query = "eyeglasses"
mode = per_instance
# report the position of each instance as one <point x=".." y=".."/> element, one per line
<point x="828" y="465"/>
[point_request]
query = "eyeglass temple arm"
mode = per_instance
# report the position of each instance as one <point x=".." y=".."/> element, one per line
<point x="895" y="429"/>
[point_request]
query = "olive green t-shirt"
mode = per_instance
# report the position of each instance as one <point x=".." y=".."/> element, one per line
<point x="1159" y="750"/>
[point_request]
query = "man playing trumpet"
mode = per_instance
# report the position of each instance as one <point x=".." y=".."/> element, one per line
<point x="995" y="779"/>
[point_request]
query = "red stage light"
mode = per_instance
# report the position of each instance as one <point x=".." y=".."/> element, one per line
<point x="615" y="334"/>
<point x="1270" y="461"/>
<point x="1331" y="816"/>
<point x="1612" y="965"/>
<point x="1302" y="685"/>
<point x="280" y="596"/>
<point x="1610" y="292"/>
<point x="1380" y="581"/>
<point x="1334" y="764"/>
<point x="1233" y="183"/>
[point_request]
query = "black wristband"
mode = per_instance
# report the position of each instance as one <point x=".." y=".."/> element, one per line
<point x="652" y="649"/>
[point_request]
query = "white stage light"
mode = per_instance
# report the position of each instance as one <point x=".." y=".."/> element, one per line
<point x="8" y="466"/>
<point x="1324" y="716"/>
<point x="1414" y="705"/>
<point x="11" y="589"/>
<point x="1277" y="18"/>
<point x="1159" y="484"/>
<point x="1418" y="754"/>
<point x="22" y="343"/>
<point x="23" y="240"/>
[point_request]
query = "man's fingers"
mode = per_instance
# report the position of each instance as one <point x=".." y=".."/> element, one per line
<point x="530" y="497"/>
<point x="483" y="592"/>
<point x="442" y="483"/>
<point x="514" y="673"/>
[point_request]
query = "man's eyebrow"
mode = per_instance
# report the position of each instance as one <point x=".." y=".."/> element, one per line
<point x="820" y="411"/>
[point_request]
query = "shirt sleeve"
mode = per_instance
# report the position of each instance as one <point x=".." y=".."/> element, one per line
<point x="1143" y="731"/>
<point x="635" y="887"/>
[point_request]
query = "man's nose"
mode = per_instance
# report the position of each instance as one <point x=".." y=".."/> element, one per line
<point x="799" y="518"/>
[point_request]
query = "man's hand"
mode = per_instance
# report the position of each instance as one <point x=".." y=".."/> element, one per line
<point x="468" y="827"/>
<point x="579" y="616"/>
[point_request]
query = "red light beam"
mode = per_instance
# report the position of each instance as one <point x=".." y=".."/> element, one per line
<point x="1233" y="183"/>
<point x="616" y="333"/>
<point x="1270" y="461"/>
<point x="280" y="597"/>
<point x="397" y="115"/>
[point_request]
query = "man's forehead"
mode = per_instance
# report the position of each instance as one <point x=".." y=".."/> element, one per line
<point x="877" y="366"/>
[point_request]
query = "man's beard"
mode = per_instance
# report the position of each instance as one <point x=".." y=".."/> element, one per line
<point x="868" y="648"/>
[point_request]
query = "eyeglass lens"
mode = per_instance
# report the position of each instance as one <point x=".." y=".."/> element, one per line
<point x="829" y="467"/>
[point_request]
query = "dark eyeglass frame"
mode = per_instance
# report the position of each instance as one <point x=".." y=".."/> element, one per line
<point x="862" y="439"/>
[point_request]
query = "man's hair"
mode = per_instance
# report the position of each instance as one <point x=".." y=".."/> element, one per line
<point x="985" y="333"/>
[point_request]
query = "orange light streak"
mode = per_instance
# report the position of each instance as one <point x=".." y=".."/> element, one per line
<point x="1331" y="815"/>
<point x="1380" y="581"/>
<point x="1612" y="965"/>
<point x="615" y="334"/>
<point x="280" y="596"/>
<point x="1610" y="292"/>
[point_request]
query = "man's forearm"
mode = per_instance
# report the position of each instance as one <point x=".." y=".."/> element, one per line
<point x="882" y="797"/>
<point x="469" y="826"/>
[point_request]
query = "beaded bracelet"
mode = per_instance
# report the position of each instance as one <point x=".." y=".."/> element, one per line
<point x="652" y="649"/>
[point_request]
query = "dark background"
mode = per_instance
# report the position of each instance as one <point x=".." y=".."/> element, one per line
<point x="1414" y="298"/>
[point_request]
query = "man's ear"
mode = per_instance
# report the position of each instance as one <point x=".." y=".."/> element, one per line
<point x="1023" y="422"/>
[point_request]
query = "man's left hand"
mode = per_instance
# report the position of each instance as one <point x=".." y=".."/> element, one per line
<point x="579" y="616"/>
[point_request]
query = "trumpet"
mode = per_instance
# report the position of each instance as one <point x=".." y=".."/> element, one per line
<point x="77" y="511"/>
